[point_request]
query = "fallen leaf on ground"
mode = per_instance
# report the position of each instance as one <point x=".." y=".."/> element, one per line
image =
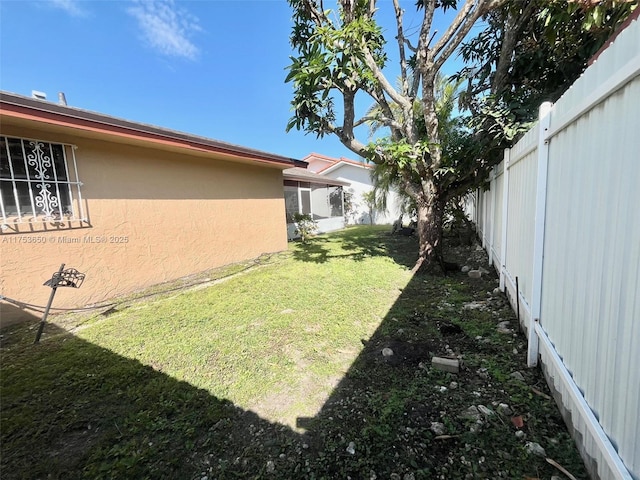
<point x="517" y="421"/>
<point x="542" y="394"/>
<point x="551" y="461"/>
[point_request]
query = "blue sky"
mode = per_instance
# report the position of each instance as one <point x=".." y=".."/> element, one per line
<point x="214" y="68"/>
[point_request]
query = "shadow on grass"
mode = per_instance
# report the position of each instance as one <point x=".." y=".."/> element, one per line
<point x="358" y="244"/>
<point x="12" y="315"/>
<point x="71" y="409"/>
<point x="396" y="416"/>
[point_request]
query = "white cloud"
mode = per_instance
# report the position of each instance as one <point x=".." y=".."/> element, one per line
<point x="166" y="27"/>
<point x="72" y="7"/>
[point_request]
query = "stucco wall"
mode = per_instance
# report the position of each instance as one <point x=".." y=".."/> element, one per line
<point x="154" y="216"/>
<point x="325" y="225"/>
<point x="317" y="164"/>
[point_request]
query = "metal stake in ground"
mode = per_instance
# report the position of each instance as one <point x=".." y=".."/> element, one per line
<point x="62" y="278"/>
<point x="518" y="304"/>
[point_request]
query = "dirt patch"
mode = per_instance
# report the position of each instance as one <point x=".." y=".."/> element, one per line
<point x="394" y="416"/>
<point x="70" y="449"/>
<point x="395" y="352"/>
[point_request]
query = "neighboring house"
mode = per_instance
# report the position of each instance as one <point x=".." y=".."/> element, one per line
<point x="317" y="162"/>
<point x="358" y="174"/>
<point x="128" y="204"/>
<point x="318" y="196"/>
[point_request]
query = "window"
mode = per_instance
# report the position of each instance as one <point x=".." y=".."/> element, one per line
<point x="305" y="200"/>
<point x="321" y="201"/>
<point x="335" y="201"/>
<point x="291" y="199"/>
<point x="36" y="182"/>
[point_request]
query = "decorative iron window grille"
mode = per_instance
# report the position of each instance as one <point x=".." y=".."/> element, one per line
<point x="36" y="183"/>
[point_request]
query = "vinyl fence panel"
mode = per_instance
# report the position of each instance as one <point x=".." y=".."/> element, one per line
<point x="591" y="285"/>
<point x="496" y="233"/>
<point x="568" y="197"/>
<point x="520" y="216"/>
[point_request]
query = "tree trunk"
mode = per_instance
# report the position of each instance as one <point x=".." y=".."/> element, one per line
<point x="430" y="216"/>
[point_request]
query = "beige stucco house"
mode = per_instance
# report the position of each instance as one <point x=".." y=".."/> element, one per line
<point x="128" y="204"/>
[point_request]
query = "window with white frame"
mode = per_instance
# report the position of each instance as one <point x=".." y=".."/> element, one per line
<point x="320" y="201"/>
<point x="38" y="181"/>
<point x="291" y="200"/>
<point x="336" y="201"/>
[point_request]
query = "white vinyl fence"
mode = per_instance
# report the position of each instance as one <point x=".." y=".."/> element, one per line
<point x="561" y="220"/>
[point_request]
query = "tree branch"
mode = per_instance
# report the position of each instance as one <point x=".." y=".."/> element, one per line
<point x="422" y="50"/>
<point x="372" y="7"/>
<point x="387" y="111"/>
<point x="511" y="31"/>
<point x="346" y="134"/>
<point x="454" y="39"/>
<point x="389" y="122"/>
<point x="350" y="142"/>
<point x="318" y="17"/>
<point x="451" y="30"/>
<point x="427" y="20"/>
<point x="401" y="42"/>
<point x="411" y="47"/>
<point x="382" y="80"/>
<point x="349" y="113"/>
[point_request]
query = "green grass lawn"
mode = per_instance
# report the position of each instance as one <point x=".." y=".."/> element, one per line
<point x="293" y="323"/>
<point x="272" y="373"/>
<point x="274" y="340"/>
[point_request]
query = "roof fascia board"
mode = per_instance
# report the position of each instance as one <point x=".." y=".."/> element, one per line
<point x="287" y="175"/>
<point x="340" y="164"/>
<point x="318" y="156"/>
<point x="46" y="112"/>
